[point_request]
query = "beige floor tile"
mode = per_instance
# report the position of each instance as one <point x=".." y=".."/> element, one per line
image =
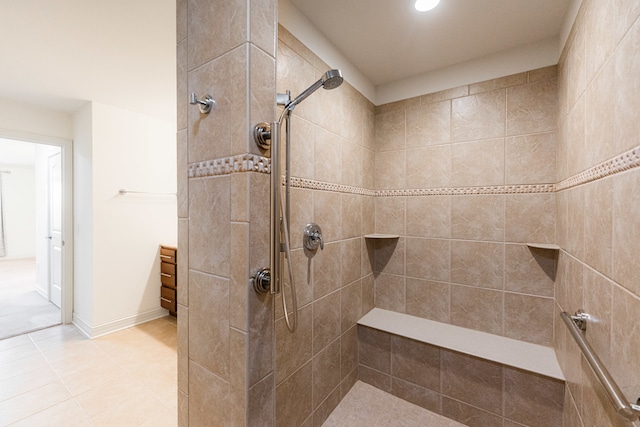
<point x="163" y="418"/>
<point x="366" y="406"/>
<point x="108" y="395"/>
<point x="17" y="353"/>
<point x="91" y="377"/>
<point x="28" y="381"/>
<point x="22" y="366"/>
<point x="66" y="413"/>
<point x="14" y="342"/>
<point x="133" y="411"/>
<point x="32" y="402"/>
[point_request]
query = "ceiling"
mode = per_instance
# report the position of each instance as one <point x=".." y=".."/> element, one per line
<point x="388" y="40"/>
<point x="60" y="54"/>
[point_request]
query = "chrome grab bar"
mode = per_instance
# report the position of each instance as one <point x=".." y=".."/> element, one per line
<point x="625" y="409"/>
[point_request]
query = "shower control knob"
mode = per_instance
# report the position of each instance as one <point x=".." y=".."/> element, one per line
<point x="313" y="237"/>
<point x="262" y="281"/>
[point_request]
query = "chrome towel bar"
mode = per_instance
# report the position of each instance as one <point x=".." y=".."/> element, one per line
<point x="625" y="409"/>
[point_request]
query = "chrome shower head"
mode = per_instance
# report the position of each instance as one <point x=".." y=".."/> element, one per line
<point x="329" y="80"/>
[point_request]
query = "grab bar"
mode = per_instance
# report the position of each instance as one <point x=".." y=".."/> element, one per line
<point x="624" y="408"/>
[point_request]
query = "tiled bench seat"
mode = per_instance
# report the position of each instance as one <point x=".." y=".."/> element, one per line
<point x="470" y="376"/>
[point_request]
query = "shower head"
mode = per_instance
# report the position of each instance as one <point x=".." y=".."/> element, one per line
<point x="329" y="80"/>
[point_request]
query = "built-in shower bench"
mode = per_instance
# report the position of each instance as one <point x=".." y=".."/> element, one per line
<point x="506" y="351"/>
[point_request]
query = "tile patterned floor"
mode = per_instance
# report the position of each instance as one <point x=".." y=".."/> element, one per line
<point x="367" y="406"/>
<point x="58" y="377"/>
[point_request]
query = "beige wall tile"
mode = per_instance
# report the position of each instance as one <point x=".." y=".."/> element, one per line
<point x="477" y="264"/>
<point x="348" y="352"/>
<point x="598" y="292"/>
<point x="261" y="411"/>
<point x="416" y="362"/>
<point x="529" y="318"/>
<point x="428" y="167"/>
<point x="598" y="225"/>
<point x="625" y="340"/>
<point x="476" y="308"/>
<point x="472" y="380"/>
<point x="531" y="399"/>
<point x="390" y="292"/>
<point x="529" y="270"/>
<point x="456" y="92"/>
<point x="262" y="79"/>
<point x="398" y="105"/>
<point x="264" y="36"/>
<point x="599" y="109"/>
<point x="293" y="398"/>
<point x="478" y="163"/>
<point x="302" y="213"/>
<point x="303" y="137"/>
<point x="326" y="321"/>
<point x="183" y="262"/>
<point x="428" y="259"/>
<point x="183" y="349"/>
<point x="327" y="155"/>
<point x="326" y="270"/>
<point x="351" y="260"/>
<point x="238" y="376"/>
<point x="478" y="217"/>
<point x="240" y="196"/>
<point x="543" y="73"/>
<point x="390" y="131"/>
<point x="467" y="414"/>
<point x="531" y="159"/>
<point x="499" y="83"/>
<point x="225" y="80"/>
<point x="293" y="349"/>
<point x="352" y="164"/>
<point x="226" y="24"/>
<point x="182" y="83"/>
<point x="429" y="216"/>
<point x="626" y="235"/>
<point x="326" y="372"/>
<point x="374" y="348"/>
<point x="368" y="294"/>
<point x="389" y="255"/>
<point x="181" y="20"/>
<point x="209" y="323"/>
<point x="530" y="218"/>
<point x="239" y="276"/>
<point x="351" y="305"/>
<point x="480" y="116"/>
<point x="327" y="213"/>
<point x="428" y="124"/>
<point x="390" y="215"/>
<point x="427" y="299"/>
<point x="417" y="395"/>
<point x="208" y="396"/>
<point x="351" y="215"/>
<point x="325" y="408"/>
<point x="375" y="378"/>
<point x="210" y="211"/>
<point x="261" y="335"/>
<point x="390" y="170"/>
<point x="532" y="107"/>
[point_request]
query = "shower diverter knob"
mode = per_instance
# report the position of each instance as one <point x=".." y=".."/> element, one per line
<point x="313" y="237"/>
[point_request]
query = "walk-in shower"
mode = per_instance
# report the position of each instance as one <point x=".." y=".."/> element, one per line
<point x="267" y="136"/>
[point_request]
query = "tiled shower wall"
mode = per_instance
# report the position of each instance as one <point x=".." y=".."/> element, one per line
<point x="465" y="178"/>
<point x="599" y="204"/>
<point x="225" y="331"/>
<point x="332" y="138"/>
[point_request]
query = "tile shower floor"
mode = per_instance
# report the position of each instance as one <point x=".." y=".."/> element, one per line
<point x="367" y="406"/>
<point x="58" y="377"/>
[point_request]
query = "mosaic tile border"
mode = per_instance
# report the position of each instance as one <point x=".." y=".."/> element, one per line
<point x="255" y="163"/>
<point x="625" y="161"/>
<point x="228" y="165"/>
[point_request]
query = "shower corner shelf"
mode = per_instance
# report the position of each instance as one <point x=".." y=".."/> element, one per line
<point x="381" y="236"/>
<point x="544" y="246"/>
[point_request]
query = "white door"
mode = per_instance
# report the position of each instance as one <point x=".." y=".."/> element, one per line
<point x="55" y="229"/>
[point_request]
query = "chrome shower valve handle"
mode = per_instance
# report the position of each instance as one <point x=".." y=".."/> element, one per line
<point x="313" y="237"/>
<point x="205" y="105"/>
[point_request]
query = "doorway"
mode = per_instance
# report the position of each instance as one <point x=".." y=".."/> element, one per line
<point x="35" y="269"/>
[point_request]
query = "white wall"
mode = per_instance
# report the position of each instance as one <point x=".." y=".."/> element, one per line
<point x="120" y="235"/>
<point x="19" y="209"/>
<point x="83" y="217"/>
<point x="19" y="118"/>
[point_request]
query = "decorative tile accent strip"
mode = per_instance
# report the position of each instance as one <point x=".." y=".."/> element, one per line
<point x="457" y="191"/>
<point x="228" y="165"/>
<point x="621" y="163"/>
<point x="311" y="184"/>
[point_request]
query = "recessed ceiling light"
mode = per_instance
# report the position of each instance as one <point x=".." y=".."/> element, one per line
<point x="424" y="5"/>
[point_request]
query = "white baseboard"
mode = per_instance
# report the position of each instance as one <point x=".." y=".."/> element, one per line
<point x="117" y="325"/>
